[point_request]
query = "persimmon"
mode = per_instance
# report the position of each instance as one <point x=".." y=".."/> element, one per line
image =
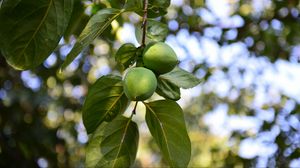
<point x="139" y="83"/>
<point x="159" y="57"/>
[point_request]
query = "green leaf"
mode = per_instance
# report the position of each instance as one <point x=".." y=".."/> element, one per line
<point x="167" y="90"/>
<point x="134" y="5"/>
<point x="78" y="20"/>
<point x="118" y="142"/>
<point x="105" y="100"/>
<point x="181" y="78"/>
<point x="126" y="55"/>
<point x="95" y="26"/>
<point x="117" y="3"/>
<point x="156" y="31"/>
<point x="156" y="8"/>
<point x="30" y="30"/>
<point x="166" y="124"/>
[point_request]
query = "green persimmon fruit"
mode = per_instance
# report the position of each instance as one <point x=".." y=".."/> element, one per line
<point x="159" y="57"/>
<point x="139" y="83"/>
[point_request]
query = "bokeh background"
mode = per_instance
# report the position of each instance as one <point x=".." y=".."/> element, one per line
<point x="245" y="113"/>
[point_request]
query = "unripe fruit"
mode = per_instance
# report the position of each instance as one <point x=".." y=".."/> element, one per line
<point x="159" y="57"/>
<point x="139" y="83"/>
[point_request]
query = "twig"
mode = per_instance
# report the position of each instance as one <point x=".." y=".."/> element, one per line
<point x="144" y="24"/>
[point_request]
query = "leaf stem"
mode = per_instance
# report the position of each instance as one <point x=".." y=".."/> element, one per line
<point x="144" y="24"/>
<point x="134" y="109"/>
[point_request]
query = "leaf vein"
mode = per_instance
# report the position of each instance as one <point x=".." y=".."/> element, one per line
<point x="122" y="141"/>
<point x="38" y="27"/>
<point x="163" y="131"/>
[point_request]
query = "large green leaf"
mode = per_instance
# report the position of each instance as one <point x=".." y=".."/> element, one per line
<point x="126" y="55"/>
<point x="167" y="89"/>
<point x="95" y="26"/>
<point x="166" y="124"/>
<point x="118" y="143"/>
<point x="30" y="30"/>
<point x="181" y="78"/>
<point x="105" y="100"/>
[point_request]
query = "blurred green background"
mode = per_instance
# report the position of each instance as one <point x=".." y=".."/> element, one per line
<point x="245" y="113"/>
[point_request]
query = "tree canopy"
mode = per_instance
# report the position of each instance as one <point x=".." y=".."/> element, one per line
<point x="55" y="54"/>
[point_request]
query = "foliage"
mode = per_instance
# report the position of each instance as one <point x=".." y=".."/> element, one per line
<point x="169" y="132"/>
<point x="96" y="25"/>
<point x="25" y="25"/>
<point x="118" y="141"/>
<point x="106" y="99"/>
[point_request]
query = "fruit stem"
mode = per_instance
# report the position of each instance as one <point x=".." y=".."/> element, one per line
<point x="144" y="24"/>
<point x="134" y="109"/>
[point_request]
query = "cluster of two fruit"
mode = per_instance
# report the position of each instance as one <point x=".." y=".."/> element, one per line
<point x="140" y="82"/>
